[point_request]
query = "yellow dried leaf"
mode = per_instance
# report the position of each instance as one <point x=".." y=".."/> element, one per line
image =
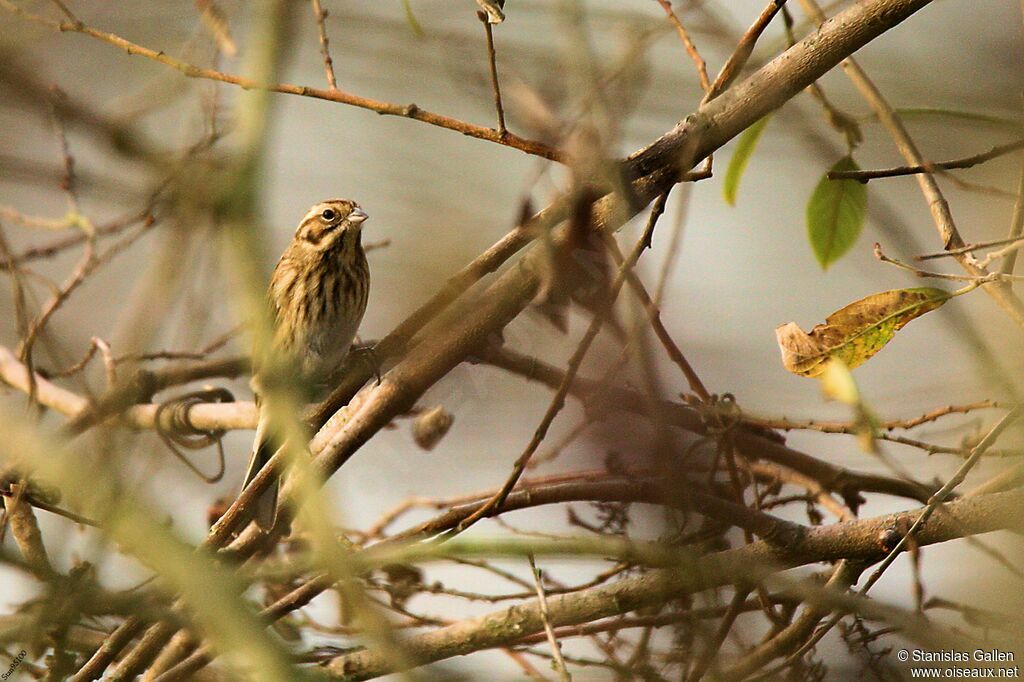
<point x="854" y="333"/>
<point x="837" y="383"/>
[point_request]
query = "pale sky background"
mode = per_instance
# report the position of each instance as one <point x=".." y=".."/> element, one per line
<point x="442" y="198"/>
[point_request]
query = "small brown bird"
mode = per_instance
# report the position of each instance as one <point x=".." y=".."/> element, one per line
<point x="317" y="298"/>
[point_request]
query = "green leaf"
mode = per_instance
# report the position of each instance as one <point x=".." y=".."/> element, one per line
<point x="855" y="333"/>
<point x="411" y="19"/>
<point x="740" y="158"/>
<point x="835" y="214"/>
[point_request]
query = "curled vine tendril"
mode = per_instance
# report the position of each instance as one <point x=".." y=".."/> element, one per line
<point x="177" y="431"/>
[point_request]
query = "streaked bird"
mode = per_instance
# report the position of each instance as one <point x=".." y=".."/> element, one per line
<point x="317" y="298"/>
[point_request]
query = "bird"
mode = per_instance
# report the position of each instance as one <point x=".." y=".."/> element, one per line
<point x="317" y="297"/>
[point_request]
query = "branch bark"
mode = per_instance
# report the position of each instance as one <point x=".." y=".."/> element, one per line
<point x="858" y="540"/>
<point x="655" y="168"/>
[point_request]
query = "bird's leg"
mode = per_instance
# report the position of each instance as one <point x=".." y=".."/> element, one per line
<point x="368" y="355"/>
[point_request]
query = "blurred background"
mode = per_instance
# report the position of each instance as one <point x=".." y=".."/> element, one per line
<point x="437" y="199"/>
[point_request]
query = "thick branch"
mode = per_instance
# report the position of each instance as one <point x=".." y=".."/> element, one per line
<point x="861" y="540"/>
<point x="204" y="416"/>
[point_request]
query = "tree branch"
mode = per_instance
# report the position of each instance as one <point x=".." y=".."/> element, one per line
<point x="412" y="111"/>
<point x="851" y="540"/>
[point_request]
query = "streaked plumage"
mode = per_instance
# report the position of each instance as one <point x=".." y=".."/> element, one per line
<point x="317" y="297"/>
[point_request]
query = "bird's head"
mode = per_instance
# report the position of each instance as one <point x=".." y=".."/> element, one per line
<point x="331" y="223"/>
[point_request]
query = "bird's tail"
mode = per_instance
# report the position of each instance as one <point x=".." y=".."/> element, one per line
<point x="265" y="509"/>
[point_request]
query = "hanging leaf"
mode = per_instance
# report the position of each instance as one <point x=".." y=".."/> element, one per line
<point x="835" y="214"/>
<point x="837" y="383"/>
<point x="741" y="157"/>
<point x="854" y="333"/>
<point x="414" y="24"/>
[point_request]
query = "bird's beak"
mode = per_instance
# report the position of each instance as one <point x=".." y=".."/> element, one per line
<point x="357" y="216"/>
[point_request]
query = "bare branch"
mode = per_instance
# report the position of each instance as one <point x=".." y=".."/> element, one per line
<point x="333" y="95"/>
<point x="321" y="15"/>
<point x="928" y="167"/>
<point x="860" y="540"/>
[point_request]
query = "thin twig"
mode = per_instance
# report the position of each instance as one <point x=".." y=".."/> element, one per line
<point x="20" y="303"/>
<point x="1006" y="251"/>
<point x="672" y="250"/>
<point x="325" y="50"/>
<point x="654" y="318"/>
<point x="411" y="111"/>
<point x="974" y="279"/>
<point x="658" y="620"/>
<point x="928" y="167"/>
<point x="934" y="503"/>
<point x="68" y="220"/>
<point x="699" y="63"/>
<point x="941" y="214"/>
<point x="493" y="62"/>
<point x="691" y="49"/>
<point x="859" y="538"/>
<point x="1016" y="225"/>
<point x="69" y="181"/>
<point x="714" y="644"/>
<point x="967" y="248"/>
<point x="52" y="508"/>
<point x="53" y="248"/>
<point x="784" y="424"/>
<point x="556" y="649"/>
<point x="743" y="50"/>
<point x="85" y="264"/>
<point x="558" y="401"/>
<point x="834" y="116"/>
<point x="944" y="492"/>
<point x="975" y="187"/>
<point x="88" y="264"/>
<point x="65" y="10"/>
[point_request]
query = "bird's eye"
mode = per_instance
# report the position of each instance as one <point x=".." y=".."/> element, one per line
<point x="329" y="214"/>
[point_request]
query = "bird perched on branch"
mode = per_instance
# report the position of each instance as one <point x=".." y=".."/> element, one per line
<point x="317" y="298"/>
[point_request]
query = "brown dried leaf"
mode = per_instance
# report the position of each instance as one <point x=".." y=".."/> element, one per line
<point x="854" y="333"/>
<point x="431" y="426"/>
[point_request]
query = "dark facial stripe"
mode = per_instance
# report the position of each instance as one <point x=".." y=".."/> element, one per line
<point x="308" y="230"/>
<point x="336" y="290"/>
